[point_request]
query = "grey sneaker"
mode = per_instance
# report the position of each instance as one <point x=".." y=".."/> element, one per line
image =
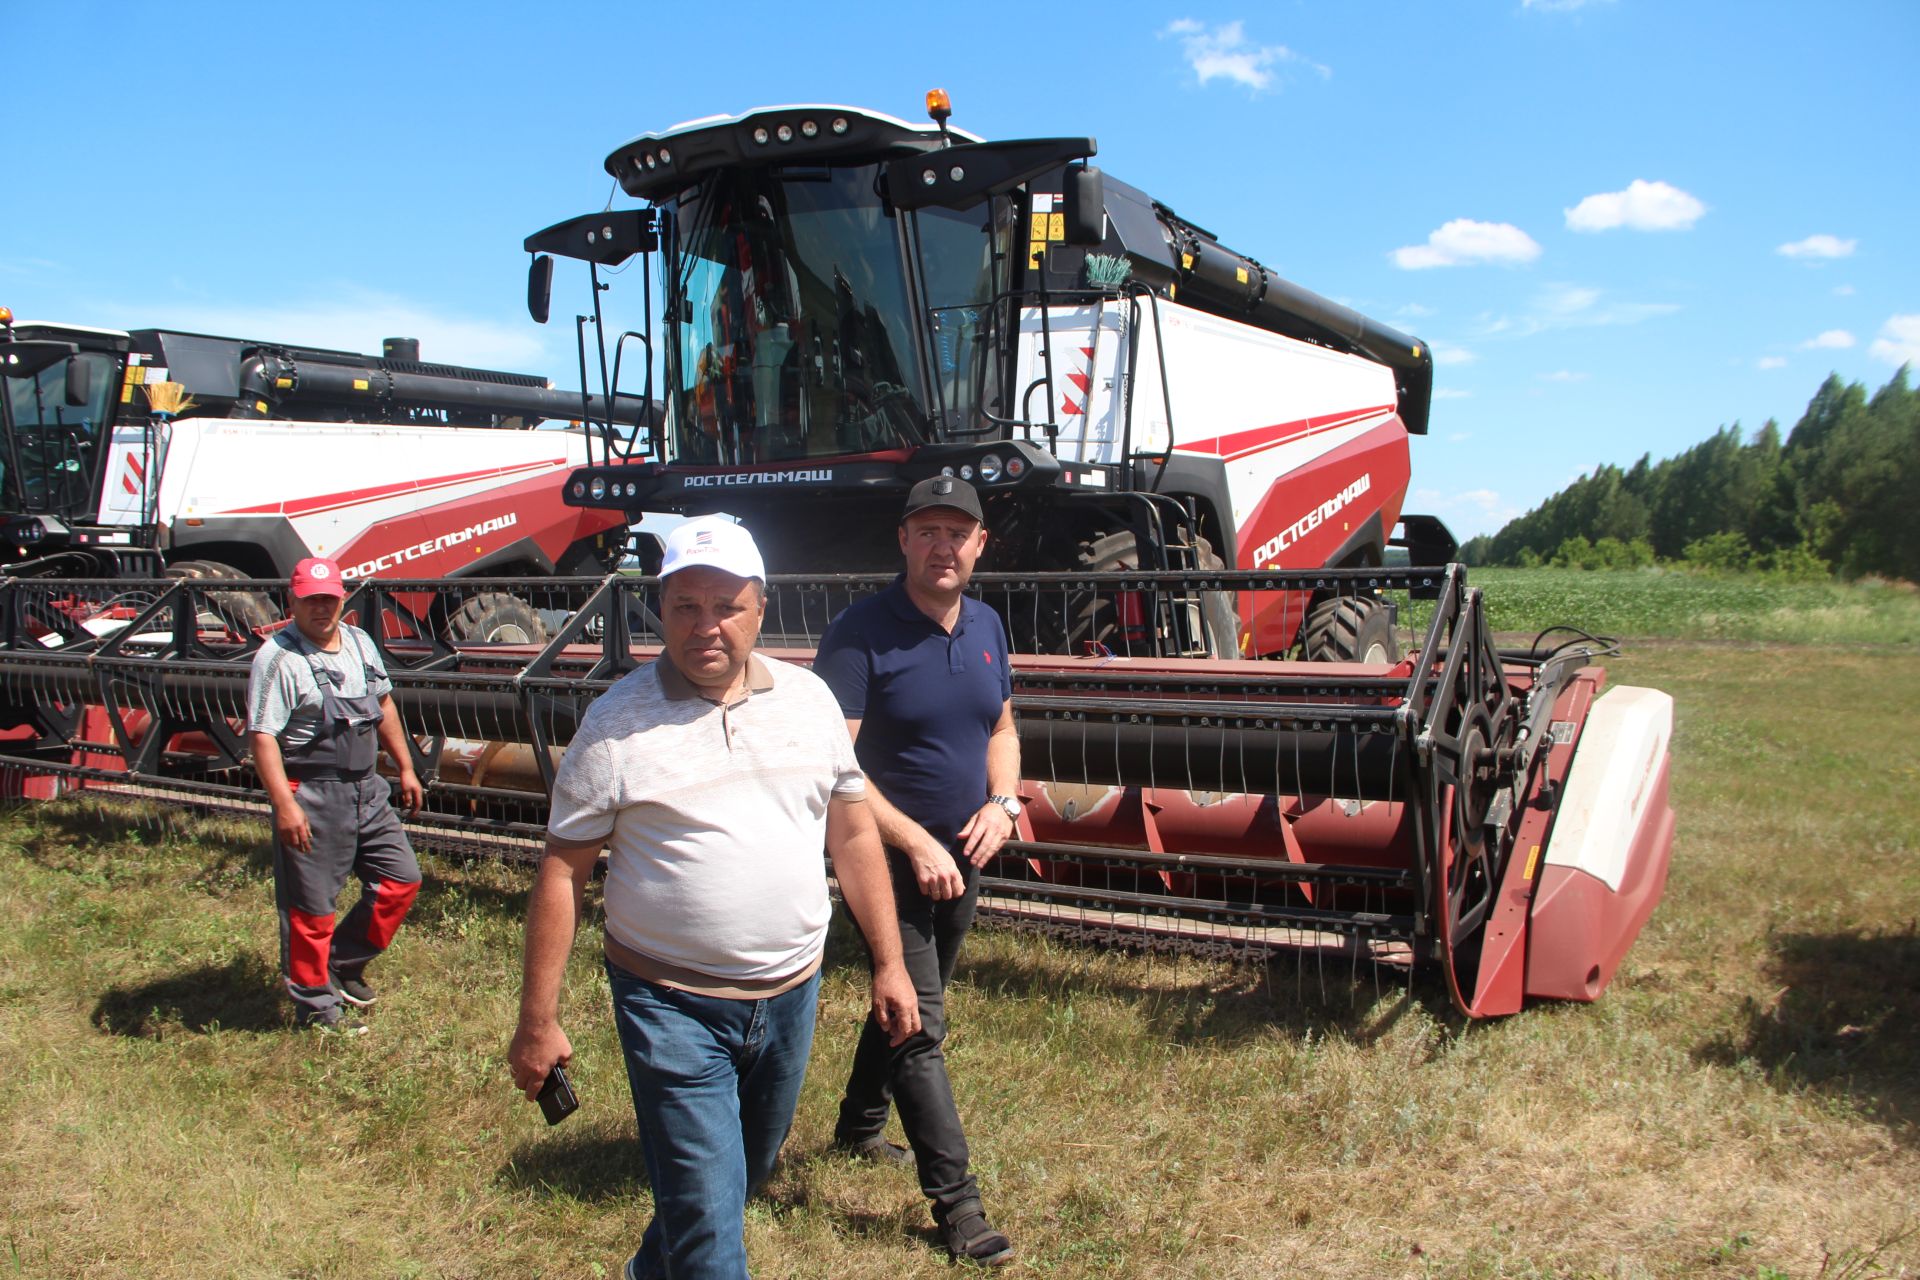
<point x="971" y="1238"/>
<point x="877" y="1149"/>
<point x="354" y="991"/>
<point x="334" y="1023"/>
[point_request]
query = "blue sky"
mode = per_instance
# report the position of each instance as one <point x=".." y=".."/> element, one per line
<point x="1620" y="223"/>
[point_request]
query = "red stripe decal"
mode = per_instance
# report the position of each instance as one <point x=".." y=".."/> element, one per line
<point x="353" y="497"/>
<point x="1239" y="443"/>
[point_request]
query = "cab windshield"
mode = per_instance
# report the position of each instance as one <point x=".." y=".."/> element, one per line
<point x="48" y="460"/>
<point x="793" y="333"/>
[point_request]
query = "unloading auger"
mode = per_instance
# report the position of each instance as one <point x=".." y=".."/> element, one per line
<point x="1498" y="814"/>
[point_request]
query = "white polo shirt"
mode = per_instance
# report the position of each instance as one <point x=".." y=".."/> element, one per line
<point x="715" y="817"/>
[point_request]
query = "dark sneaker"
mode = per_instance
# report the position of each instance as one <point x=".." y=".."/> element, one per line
<point x="877" y="1149"/>
<point x="971" y="1238"/>
<point x="334" y="1023"/>
<point x="354" y="991"/>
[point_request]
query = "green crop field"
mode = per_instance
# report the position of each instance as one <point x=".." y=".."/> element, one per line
<point x="1743" y="1102"/>
<point x="1649" y="603"/>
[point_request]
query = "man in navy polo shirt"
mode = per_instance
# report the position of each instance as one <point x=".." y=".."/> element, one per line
<point x="920" y="671"/>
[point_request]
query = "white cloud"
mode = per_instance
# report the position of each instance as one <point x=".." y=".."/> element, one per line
<point x="1843" y="291"/>
<point x="1770" y="362"/>
<point x="1452" y="393"/>
<point x="1463" y="241"/>
<point x="1564" y="375"/>
<point x="1415" y="311"/>
<point x="1571" y="306"/>
<point x="1831" y="340"/>
<point x="1559" y="6"/>
<point x="1222" y="53"/>
<point x="357" y="319"/>
<point x="1821" y="246"/>
<point x="27" y="266"/>
<point x="1445" y="353"/>
<point x="1643" y="206"/>
<point x="1899" y="340"/>
<point x="1459" y="437"/>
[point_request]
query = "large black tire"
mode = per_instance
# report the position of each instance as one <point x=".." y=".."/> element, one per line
<point x="1350" y="629"/>
<point x="1218" y="613"/>
<point x="243" y="612"/>
<point x="494" y="617"/>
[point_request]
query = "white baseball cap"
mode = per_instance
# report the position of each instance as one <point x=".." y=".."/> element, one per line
<point x="716" y="542"/>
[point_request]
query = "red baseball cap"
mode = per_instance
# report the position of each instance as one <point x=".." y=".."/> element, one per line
<point x="317" y="576"/>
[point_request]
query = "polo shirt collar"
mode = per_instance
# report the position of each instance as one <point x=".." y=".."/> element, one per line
<point x="677" y="688"/>
<point x="906" y="610"/>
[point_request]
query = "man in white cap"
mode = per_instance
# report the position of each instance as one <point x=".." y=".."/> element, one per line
<point x="713" y="776"/>
<point x="319" y="709"/>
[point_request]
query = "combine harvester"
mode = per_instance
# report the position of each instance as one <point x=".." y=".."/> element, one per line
<point x="852" y="303"/>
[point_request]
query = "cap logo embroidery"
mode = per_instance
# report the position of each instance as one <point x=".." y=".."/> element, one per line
<point x="319" y="571"/>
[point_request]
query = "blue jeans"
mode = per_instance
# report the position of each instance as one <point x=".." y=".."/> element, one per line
<point x="715" y="1083"/>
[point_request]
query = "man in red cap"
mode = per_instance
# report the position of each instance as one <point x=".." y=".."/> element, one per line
<point x="319" y="709"/>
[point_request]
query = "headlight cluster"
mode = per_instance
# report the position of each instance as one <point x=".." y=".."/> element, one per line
<point x="598" y="489"/>
<point x="990" y="469"/>
<point x="806" y="128"/>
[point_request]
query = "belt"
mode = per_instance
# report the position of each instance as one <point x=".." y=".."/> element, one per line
<point x="321" y="774"/>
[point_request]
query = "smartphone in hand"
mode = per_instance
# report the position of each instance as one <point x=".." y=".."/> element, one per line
<point x="556" y="1096"/>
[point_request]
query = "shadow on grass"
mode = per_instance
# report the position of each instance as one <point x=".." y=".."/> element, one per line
<point x="241" y="995"/>
<point x="1295" y="992"/>
<point x="72" y="832"/>
<point x="81" y="833"/>
<point x="1845" y="1021"/>
<point x="589" y="1168"/>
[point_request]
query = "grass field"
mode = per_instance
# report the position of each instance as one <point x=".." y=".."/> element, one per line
<point x="1744" y="1102"/>
<point x="1667" y="602"/>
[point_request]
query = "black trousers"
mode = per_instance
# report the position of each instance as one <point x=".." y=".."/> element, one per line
<point x="914" y="1075"/>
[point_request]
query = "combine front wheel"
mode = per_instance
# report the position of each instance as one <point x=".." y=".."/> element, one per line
<point x="1217" y="611"/>
<point x="1351" y="629"/>
<point x="242" y="612"/>
<point x="494" y="617"/>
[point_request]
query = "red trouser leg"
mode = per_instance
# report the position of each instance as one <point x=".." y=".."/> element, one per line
<point x="389" y="877"/>
<point x="309" y="943"/>
<point x="391" y="902"/>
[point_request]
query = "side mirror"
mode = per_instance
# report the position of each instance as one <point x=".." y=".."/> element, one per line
<point x="79" y="381"/>
<point x="539" y="287"/>
<point x="1084" y="204"/>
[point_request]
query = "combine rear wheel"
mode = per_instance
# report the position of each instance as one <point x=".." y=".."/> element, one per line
<point x="1351" y="629"/>
<point x="242" y="612"/>
<point x="494" y="617"/>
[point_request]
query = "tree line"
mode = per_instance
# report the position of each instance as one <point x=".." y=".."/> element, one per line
<point x="1840" y="494"/>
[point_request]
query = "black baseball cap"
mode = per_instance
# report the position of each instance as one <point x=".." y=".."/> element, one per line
<point x="944" y="491"/>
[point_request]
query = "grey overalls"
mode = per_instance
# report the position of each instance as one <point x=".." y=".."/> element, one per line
<point x="355" y="831"/>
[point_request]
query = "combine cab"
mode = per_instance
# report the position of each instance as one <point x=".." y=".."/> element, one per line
<point x="852" y="303"/>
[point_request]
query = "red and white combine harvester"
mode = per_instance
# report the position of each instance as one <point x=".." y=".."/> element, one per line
<point x="269" y="453"/>
<point x="1257" y="709"/>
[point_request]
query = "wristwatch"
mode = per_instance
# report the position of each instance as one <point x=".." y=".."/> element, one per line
<point x="1010" y="805"/>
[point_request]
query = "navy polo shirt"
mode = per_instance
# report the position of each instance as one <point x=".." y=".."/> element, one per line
<point x="926" y="701"/>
